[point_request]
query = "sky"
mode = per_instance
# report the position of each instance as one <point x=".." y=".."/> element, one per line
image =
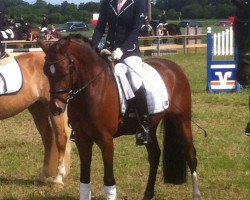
<point x="58" y="2"/>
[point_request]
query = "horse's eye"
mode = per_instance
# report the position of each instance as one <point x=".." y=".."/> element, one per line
<point x="52" y="69"/>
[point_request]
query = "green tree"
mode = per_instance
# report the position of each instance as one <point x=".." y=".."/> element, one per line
<point x="56" y="18"/>
<point x="90" y="7"/>
<point x="192" y="11"/>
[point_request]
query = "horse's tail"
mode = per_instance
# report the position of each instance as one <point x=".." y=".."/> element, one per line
<point x="174" y="161"/>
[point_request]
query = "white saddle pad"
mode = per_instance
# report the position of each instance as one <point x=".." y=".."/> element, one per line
<point x="156" y="91"/>
<point x="10" y="77"/>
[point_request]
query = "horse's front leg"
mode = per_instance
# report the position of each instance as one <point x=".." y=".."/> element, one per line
<point x="84" y="145"/>
<point x="59" y="124"/>
<point x="107" y="147"/>
<point x="154" y="159"/>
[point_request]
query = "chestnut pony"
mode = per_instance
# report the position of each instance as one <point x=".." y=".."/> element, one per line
<point x="34" y="95"/>
<point x="84" y="82"/>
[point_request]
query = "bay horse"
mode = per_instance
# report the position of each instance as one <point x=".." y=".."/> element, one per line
<point x="33" y="32"/>
<point x="84" y="82"/>
<point x="172" y="29"/>
<point x="34" y="95"/>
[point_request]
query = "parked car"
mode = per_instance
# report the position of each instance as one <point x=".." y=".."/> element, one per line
<point x="224" y="23"/>
<point x="73" y="26"/>
<point x="189" y="23"/>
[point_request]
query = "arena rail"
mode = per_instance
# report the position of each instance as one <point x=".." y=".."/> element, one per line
<point x="19" y="46"/>
<point x="158" y="46"/>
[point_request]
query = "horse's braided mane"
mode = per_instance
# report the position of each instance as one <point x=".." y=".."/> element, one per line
<point x="78" y="37"/>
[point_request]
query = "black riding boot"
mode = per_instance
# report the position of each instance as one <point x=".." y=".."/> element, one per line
<point x="142" y="132"/>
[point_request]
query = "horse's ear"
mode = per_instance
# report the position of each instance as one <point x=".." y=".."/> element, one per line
<point x="42" y="44"/>
<point x="64" y="44"/>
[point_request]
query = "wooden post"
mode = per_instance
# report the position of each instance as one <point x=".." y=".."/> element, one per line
<point x="149" y="10"/>
<point x="158" y="45"/>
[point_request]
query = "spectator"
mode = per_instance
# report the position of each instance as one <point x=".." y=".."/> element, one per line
<point x="44" y="25"/>
<point x="52" y="33"/>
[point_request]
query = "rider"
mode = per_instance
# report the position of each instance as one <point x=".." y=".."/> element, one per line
<point x="44" y="25"/>
<point x="22" y="22"/>
<point x="2" y="24"/>
<point x="147" y="28"/>
<point x="125" y="18"/>
<point x="11" y="22"/>
<point x="163" y="17"/>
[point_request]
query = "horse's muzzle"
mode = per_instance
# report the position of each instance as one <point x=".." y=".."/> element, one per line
<point x="57" y="107"/>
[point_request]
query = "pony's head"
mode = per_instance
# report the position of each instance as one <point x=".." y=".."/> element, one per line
<point x="32" y="32"/>
<point x="59" y="69"/>
<point x="60" y="62"/>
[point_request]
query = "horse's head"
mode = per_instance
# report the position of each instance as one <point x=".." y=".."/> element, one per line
<point x="32" y="32"/>
<point x="59" y="68"/>
<point x="241" y="27"/>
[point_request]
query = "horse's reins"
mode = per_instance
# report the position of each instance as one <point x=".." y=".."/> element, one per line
<point x="71" y="92"/>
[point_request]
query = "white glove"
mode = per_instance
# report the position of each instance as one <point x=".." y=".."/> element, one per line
<point x="117" y="54"/>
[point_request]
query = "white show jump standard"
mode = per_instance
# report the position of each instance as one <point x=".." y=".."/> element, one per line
<point x="221" y="73"/>
<point x="223" y="43"/>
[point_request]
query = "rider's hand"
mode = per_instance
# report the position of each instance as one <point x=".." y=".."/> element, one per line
<point x="117" y="54"/>
<point x="105" y="52"/>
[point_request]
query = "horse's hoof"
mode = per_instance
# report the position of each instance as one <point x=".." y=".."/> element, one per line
<point x="148" y="196"/>
<point x="196" y="197"/>
<point x="45" y="179"/>
<point x="58" y="181"/>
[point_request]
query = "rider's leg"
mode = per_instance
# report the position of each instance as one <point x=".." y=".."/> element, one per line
<point x="135" y="71"/>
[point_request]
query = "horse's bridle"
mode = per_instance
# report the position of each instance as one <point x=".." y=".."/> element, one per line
<point x="71" y="91"/>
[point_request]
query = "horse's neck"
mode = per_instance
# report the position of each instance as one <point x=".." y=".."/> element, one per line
<point x="90" y="66"/>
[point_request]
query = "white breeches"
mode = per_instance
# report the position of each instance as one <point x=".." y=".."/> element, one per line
<point x="134" y="66"/>
<point x="44" y="29"/>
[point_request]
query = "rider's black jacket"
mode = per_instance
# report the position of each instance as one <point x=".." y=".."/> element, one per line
<point x="123" y="27"/>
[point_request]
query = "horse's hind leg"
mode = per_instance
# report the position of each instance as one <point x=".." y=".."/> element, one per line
<point x="154" y="159"/>
<point x="186" y="134"/>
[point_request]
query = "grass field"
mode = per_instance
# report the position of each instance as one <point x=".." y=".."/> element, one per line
<point x="222" y="156"/>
